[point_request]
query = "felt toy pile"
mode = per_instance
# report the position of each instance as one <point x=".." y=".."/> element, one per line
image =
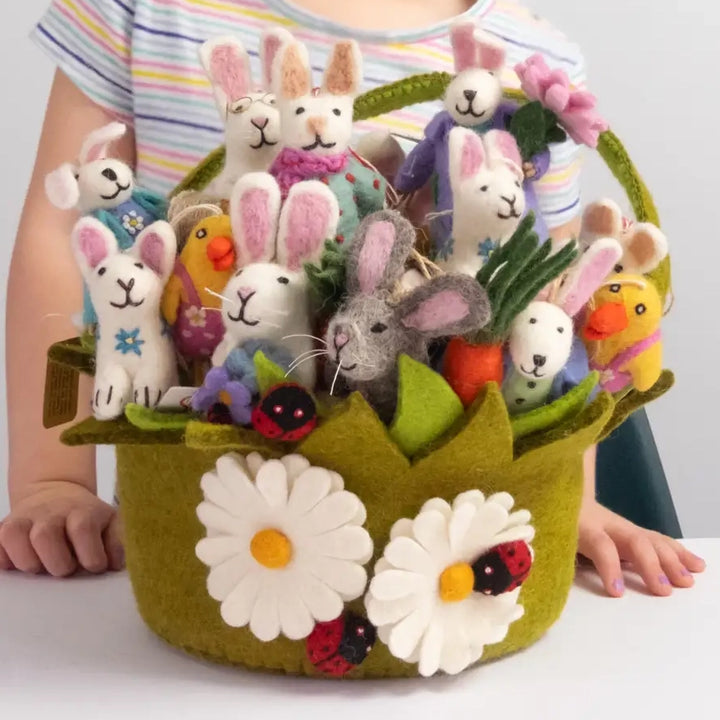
<point x="279" y="338"/>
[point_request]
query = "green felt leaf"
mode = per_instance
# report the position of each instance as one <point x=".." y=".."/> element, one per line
<point x="268" y="373"/>
<point x="557" y="412"/>
<point x="149" y="419"/>
<point x="73" y="354"/>
<point x="528" y="126"/>
<point x="201" y="435"/>
<point x="117" y="432"/>
<point x="427" y="407"/>
<point x="327" y="280"/>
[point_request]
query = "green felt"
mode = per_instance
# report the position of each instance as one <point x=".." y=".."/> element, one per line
<point x="116" y="432"/>
<point x="204" y="436"/>
<point x="634" y="400"/>
<point x="268" y="373"/>
<point x="159" y="492"/>
<point x="153" y="420"/>
<point x="200" y="176"/>
<point x="557" y="412"/>
<point x="427" y="407"/>
<point x="72" y="354"/>
<point x="534" y="128"/>
<point x="327" y="280"/>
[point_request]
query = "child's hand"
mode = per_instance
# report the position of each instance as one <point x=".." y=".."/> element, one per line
<point x="61" y="527"/>
<point x="608" y="539"/>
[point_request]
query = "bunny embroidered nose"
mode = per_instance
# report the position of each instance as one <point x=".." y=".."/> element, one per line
<point x="127" y="287"/>
<point x="341" y="340"/>
<point x="110" y="174"/>
<point x="539" y="360"/>
<point x="260" y="122"/>
<point x="221" y="253"/>
<point x="245" y="293"/>
<point x="470" y="95"/>
<point x="316" y="125"/>
<point x="605" y="321"/>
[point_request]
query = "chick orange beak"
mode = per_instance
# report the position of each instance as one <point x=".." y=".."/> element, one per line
<point x="221" y="253"/>
<point x="605" y="321"/>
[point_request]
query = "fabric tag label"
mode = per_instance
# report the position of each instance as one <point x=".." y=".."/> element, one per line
<point x="62" y="386"/>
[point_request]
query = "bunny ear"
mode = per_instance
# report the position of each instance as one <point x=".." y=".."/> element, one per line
<point x="462" y="39"/>
<point x="467" y="154"/>
<point x="156" y="246"/>
<point x="379" y="251"/>
<point x="444" y="306"/>
<point x="254" y="208"/>
<point x="601" y="219"/>
<point x="291" y="72"/>
<point x="501" y="145"/>
<point x="645" y="248"/>
<point x="308" y="218"/>
<point x="97" y="143"/>
<point x="491" y="51"/>
<point x="227" y="64"/>
<point x="589" y="273"/>
<point x="344" y="73"/>
<point x="62" y="187"/>
<point x="92" y="242"/>
<point x="270" y="43"/>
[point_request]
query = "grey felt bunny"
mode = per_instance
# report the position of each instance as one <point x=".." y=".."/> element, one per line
<point x="374" y="327"/>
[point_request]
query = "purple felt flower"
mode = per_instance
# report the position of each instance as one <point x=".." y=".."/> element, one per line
<point x="219" y="388"/>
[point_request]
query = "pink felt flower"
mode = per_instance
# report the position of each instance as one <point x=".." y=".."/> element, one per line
<point x="575" y="108"/>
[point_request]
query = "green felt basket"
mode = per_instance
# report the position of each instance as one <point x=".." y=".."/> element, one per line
<point x="537" y="458"/>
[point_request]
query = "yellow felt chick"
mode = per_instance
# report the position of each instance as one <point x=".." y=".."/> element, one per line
<point x="622" y="331"/>
<point x="204" y="267"/>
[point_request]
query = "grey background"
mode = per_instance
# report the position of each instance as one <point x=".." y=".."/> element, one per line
<point x="651" y="64"/>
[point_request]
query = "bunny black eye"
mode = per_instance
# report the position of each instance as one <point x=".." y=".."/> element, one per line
<point x="378" y="328"/>
<point x="533" y="321"/>
<point x="336" y="111"/>
<point x="491" y="73"/>
<point x="110" y="174"/>
<point x="619" y="268"/>
<point x="640" y="309"/>
<point x="200" y="234"/>
<point x="615" y="288"/>
<point x="283" y="280"/>
<point x="76" y="176"/>
<point x="102" y="271"/>
<point x="300" y="110"/>
<point x="139" y="266"/>
<point x="517" y="183"/>
<point x="561" y="330"/>
<point x="484" y="188"/>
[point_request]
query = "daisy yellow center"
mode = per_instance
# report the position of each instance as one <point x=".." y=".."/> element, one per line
<point x="271" y="549"/>
<point x="224" y="397"/>
<point x="456" y="583"/>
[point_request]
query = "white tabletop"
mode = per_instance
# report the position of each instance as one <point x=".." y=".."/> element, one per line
<point x="79" y="645"/>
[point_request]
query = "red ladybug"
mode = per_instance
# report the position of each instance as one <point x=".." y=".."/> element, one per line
<point x="336" y="647"/>
<point x="287" y="412"/>
<point x="503" y="568"/>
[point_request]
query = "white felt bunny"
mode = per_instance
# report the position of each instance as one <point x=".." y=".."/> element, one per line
<point x="97" y="181"/>
<point x="488" y="198"/>
<point x="267" y="299"/>
<point x="247" y="109"/>
<point x="541" y="337"/>
<point x="644" y="244"/>
<point x="135" y="358"/>
<point x="474" y="94"/>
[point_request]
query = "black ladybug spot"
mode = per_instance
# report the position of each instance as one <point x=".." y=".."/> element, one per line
<point x="640" y="309"/>
<point x="511" y="552"/>
<point x="615" y="288"/>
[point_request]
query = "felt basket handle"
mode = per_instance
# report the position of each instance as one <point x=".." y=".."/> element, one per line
<point x="431" y="86"/>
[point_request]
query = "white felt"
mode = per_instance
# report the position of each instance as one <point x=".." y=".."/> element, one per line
<point x="265" y="299"/>
<point x="523" y="394"/>
<point x="249" y="115"/>
<point x="318" y="121"/>
<point x="403" y="599"/>
<point x="135" y="358"/>
<point x="488" y="197"/>
<point x="304" y="503"/>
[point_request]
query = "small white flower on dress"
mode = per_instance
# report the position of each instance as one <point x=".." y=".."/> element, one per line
<point x="285" y="544"/>
<point x="196" y="316"/>
<point x="133" y="222"/>
<point x="437" y="598"/>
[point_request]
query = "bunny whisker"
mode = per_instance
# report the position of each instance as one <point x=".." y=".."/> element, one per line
<point x="298" y="363"/>
<point x="302" y="335"/>
<point x="309" y="353"/>
<point x="337" y="374"/>
<point x="221" y="297"/>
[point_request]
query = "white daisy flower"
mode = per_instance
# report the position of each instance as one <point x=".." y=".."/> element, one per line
<point x="448" y="581"/>
<point x="284" y="544"/>
<point x="133" y="222"/>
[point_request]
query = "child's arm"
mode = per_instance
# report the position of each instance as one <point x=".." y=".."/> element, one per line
<point x="56" y="521"/>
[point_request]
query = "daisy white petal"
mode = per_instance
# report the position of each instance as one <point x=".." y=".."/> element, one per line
<point x="296" y="622"/>
<point x="323" y="602"/>
<point x="407" y="634"/>
<point x="345" y="543"/>
<point x="218" y="518"/>
<point x="226" y="576"/>
<point x="310" y="487"/>
<point x="271" y="481"/>
<point x="396" y="584"/>
<point x="407" y="554"/>
<point x="431" y="531"/>
<point x="295" y="465"/>
<point x="337" y="509"/>
<point x="348" y="579"/>
<point x="265" y="618"/>
<point x="403" y="526"/>
<point x="237" y="607"/>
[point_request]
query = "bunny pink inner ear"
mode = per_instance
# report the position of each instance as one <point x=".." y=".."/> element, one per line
<point x="341" y="77"/>
<point x="98" y="142"/>
<point x="256" y="222"/>
<point x="506" y="144"/>
<point x="93" y="245"/>
<point x="492" y="53"/>
<point x="152" y="251"/>
<point x="592" y="270"/>
<point x="472" y="155"/>
<point x="437" y="312"/>
<point x="305" y="229"/>
<point x="375" y="255"/>
<point x="462" y="37"/>
<point x="230" y="70"/>
<point x="294" y="80"/>
<point x="98" y="151"/>
<point x="271" y="45"/>
<point x="62" y="188"/>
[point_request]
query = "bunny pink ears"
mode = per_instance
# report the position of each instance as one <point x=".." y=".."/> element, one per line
<point x="474" y="48"/>
<point x="97" y="144"/>
<point x="469" y="152"/>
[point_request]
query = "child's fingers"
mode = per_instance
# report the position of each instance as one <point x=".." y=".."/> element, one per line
<point x="5" y="563"/>
<point x="15" y="539"/>
<point x="638" y="550"/>
<point x="112" y="539"/>
<point x="85" y="533"/>
<point x="50" y="543"/>
<point x="692" y="562"/>
<point x="601" y="550"/>
<point x="677" y="573"/>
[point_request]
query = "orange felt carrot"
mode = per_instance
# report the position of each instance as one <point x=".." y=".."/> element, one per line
<point x="468" y="368"/>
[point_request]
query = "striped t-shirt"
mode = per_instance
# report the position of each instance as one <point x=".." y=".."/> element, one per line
<point x="139" y="60"/>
